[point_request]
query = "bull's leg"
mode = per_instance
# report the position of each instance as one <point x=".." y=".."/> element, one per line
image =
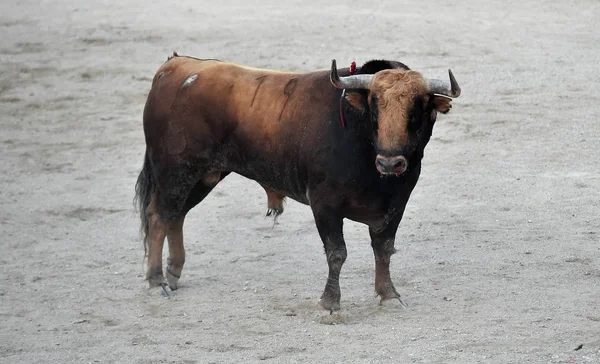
<point x="383" y="248"/>
<point x="176" y="258"/>
<point x="330" y="226"/>
<point x="157" y="231"/>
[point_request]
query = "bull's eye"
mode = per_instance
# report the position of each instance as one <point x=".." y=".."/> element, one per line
<point x="411" y="114"/>
<point x="414" y="121"/>
<point x="374" y="112"/>
<point x="415" y="115"/>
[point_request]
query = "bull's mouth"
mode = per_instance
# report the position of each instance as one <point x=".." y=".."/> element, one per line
<point x="388" y="166"/>
<point x="395" y="173"/>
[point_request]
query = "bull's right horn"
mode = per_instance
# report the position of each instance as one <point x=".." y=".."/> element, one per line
<point x="355" y="81"/>
<point x="451" y="89"/>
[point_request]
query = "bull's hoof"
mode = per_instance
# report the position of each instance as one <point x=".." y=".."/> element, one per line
<point x="160" y="291"/>
<point x="388" y="294"/>
<point x="392" y="301"/>
<point x="156" y="280"/>
<point x="172" y="279"/>
<point x="330" y="303"/>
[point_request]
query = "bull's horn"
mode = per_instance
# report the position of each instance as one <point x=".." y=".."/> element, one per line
<point x="446" y="88"/>
<point x="355" y="81"/>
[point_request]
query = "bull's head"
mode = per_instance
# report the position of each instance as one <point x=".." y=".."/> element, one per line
<point x="403" y="106"/>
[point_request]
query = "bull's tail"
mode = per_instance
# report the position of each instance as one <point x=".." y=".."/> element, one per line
<point x="144" y="188"/>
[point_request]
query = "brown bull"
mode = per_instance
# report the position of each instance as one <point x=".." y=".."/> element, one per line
<point x="350" y="147"/>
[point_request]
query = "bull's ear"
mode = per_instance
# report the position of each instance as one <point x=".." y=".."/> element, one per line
<point x="441" y="103"/>
<point x="357" y="100"/>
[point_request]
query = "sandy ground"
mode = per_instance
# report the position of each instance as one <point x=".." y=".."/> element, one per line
<point x="498" y="254"/>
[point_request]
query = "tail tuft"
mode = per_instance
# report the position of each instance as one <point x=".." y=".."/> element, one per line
<point x="144" y="188"/>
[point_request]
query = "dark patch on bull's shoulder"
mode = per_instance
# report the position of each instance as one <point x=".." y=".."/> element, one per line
<point x="260" y="80"/>
<point x="377" y="65"/>
<point x="290" y="86"/>
<point x="288" y="90"/>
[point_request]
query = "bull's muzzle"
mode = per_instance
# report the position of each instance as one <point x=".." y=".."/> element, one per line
<point x="391" y="165"/>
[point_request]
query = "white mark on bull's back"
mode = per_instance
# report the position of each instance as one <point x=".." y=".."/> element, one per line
<point x="188" y="81"/>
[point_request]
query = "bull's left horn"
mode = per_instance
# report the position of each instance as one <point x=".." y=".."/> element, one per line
<point x="446" y="88"/>
<point x="355" y="81"/>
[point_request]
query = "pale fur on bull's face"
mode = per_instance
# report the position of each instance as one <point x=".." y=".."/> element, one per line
<point x="396" y="92"/>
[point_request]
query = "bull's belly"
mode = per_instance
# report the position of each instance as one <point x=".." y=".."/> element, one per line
<point x="371" y="211"/>
<point x="363" y="202"/>
<point x="283" y="180"/>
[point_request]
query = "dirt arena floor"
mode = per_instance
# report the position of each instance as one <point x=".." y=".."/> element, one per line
<point x="498" y="254"/>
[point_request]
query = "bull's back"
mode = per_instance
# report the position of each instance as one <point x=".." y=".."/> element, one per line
<point x="223" y="95"/>
<point x="258" y="119"/>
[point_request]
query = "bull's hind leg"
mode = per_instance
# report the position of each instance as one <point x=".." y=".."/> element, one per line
<point x="157" y="231"/>
<point x="176" y="258"/>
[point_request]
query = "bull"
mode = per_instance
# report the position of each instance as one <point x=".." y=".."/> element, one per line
<point x="348" y="144"/>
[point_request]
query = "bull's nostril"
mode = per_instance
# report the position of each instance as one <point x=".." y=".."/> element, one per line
<point x="401" y="163"/>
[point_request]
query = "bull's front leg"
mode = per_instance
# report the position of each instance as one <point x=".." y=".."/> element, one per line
<point x="330" y="226"/>
<point x="383" y="248"/>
